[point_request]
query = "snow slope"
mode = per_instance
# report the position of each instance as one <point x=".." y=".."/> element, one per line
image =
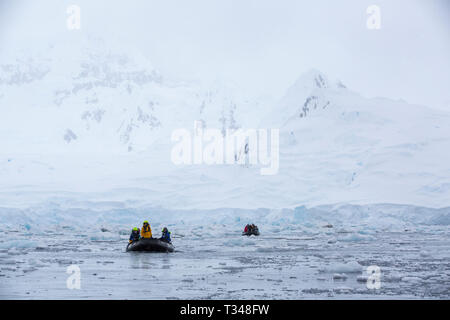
<point x="95" y="123"/>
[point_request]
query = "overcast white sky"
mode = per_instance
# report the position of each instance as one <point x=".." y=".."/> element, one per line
<point x="263" y="45"/>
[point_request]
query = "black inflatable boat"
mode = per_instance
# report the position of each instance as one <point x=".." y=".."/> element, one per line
<point x="150" y="245"/>
<point x="252" y="232"/>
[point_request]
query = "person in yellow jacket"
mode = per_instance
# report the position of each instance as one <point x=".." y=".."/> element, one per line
<point x="146" y="231"/>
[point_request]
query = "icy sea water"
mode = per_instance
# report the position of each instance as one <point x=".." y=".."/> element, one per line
<point x="216" y="262"/>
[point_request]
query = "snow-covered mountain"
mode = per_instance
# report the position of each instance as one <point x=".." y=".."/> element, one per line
<point x="100" y="120"/>
<point x="87" y="100"/>
<point x="336" y="142"/>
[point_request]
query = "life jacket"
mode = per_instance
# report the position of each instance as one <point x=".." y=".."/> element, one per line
<point x="134" y="235"/>
<point x="146" y="232"/>
<point x="166" y="236"/>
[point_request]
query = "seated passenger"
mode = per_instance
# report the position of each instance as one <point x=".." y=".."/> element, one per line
<point x="134" y="235"/>
<point x="165" y="235"/>
<point x="146" y="231"/>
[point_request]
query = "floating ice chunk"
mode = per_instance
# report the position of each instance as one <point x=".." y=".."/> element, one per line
<point x="18" y="244"/>
<point x="339" y="276"/>
<point x="349" y="267"/>
<point x="366" y="231"/>
<point x="393" y="277"/>
<point x="411" y="279"/>
<point x="343" y="289"/>
<point x="239" y="242"/>
<point x="267" y="249"/>
<point x="362" y="278"/>
<point x="105" y="236"/>
<point x="29" y="269"/>
<point x="354" y="237"/>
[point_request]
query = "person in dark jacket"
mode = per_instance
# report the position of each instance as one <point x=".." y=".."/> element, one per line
<point x="165" y="235"/>
<point x="135" y="236"/>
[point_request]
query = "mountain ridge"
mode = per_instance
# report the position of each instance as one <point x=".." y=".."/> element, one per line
<point x="105" y="121"/>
